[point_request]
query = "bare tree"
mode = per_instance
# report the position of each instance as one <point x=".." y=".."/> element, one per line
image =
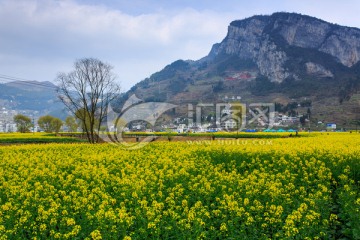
<point x="87" y="92"/>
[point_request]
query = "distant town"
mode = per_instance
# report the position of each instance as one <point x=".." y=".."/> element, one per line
<point x="281" y="122"/>
<point x="257" y="118"/>
<point x="7" y="123"/>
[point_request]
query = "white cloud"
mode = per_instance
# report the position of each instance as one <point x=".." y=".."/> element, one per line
<point x="61" y="31"/>
<point x="39" y="38"/>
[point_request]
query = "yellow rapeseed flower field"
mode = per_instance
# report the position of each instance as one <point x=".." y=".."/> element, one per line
<point x="285" y="188"/>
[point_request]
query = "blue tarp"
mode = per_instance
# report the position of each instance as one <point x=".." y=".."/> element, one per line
<point x="212" y="130"/>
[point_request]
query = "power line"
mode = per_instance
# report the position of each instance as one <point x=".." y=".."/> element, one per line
<point x="25" y="82"/>
<point x="14" y="78"/>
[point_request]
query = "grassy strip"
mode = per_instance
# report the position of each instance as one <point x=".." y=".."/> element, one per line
<point x="17" y="138"/>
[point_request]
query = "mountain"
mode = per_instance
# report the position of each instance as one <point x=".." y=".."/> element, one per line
<point x="31" y="96"/>
<point x="286" y="58"/>
<point x="31" y="85"/>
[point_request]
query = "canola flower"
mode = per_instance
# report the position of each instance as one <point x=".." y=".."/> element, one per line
<point x="302" y="188"/>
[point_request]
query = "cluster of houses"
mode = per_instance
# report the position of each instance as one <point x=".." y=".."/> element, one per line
<point x="7" y="124"/>
<point x="7" y="120"/>
<point x="7" y="127"/>
<point x="227" y="123"/>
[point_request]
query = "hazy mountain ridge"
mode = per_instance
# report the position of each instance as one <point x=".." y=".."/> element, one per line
<point x="31" y="85"/>
<point x="29" y="95"/>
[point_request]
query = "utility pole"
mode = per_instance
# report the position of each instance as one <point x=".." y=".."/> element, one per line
<point x="309" y="113"/>
<point x="33" y="126"/>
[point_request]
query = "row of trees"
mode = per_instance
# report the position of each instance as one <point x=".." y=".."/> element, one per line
<point x="47" y="123"/>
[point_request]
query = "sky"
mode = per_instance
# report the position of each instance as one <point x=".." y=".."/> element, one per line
<point x="41" y="38"/>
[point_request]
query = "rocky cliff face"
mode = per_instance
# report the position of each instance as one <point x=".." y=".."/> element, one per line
<point x="283" y="58"/>
<point x="265" y="40"/>
<point x="318" y="70"/>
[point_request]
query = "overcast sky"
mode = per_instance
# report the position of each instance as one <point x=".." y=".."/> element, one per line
<point x="39" y="38"/>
